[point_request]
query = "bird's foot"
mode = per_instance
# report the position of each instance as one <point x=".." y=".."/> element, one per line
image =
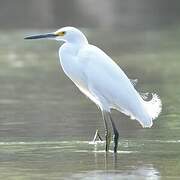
<point x="97" y="135"/>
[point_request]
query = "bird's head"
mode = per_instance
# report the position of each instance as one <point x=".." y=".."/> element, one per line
<point x="65" y="34"/>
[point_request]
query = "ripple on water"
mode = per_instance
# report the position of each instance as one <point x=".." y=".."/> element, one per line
<point x="70" y="146"/>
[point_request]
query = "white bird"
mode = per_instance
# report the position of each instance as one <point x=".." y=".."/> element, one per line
<point x="102" y="80"/>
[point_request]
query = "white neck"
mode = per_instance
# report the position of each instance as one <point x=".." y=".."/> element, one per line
<point x="81" y="39"/>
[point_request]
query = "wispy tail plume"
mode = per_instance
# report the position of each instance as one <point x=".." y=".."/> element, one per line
<point x="154" y="106"/>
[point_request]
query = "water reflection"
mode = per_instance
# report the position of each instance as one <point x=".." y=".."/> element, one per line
<point x="148" y="173"/>
<point x="81" y="161"/>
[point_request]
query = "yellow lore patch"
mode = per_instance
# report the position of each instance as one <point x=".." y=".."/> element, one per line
<point x="61" y="33"/>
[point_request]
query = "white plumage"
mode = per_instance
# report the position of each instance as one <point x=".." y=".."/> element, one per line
<point x="101" y="79"/>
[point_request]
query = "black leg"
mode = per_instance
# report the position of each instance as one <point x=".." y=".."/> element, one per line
<point x="107" y="133"/>
<point x="116" y="134"/>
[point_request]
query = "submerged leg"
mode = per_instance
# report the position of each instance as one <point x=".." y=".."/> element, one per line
<point x="116" y="134"/>
<point x="107" y="132"/>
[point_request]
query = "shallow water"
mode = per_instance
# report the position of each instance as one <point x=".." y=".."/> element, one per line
<point x="47" y="125"/>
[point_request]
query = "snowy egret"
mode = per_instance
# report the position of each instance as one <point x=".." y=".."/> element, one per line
<point x="102" y="80"/>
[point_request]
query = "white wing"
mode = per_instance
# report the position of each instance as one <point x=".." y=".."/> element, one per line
<point x="112" y="88"/>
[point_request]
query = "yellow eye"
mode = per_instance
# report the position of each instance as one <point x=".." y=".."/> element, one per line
<point x="61" y="33"/>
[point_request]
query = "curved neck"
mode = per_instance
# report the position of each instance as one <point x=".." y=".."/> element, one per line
<point x="78" y="40"/>
<point x="76" y="37"/>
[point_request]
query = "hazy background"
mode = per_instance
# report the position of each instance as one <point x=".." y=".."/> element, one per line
<point x="124" y="14"/>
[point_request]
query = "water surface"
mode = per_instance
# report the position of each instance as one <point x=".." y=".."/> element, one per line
<point x="47" y="125"/>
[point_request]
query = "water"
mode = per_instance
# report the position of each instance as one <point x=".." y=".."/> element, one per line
<point x="47" y="125"/>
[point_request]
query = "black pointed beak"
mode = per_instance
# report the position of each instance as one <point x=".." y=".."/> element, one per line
<point x="41" y="36"/>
